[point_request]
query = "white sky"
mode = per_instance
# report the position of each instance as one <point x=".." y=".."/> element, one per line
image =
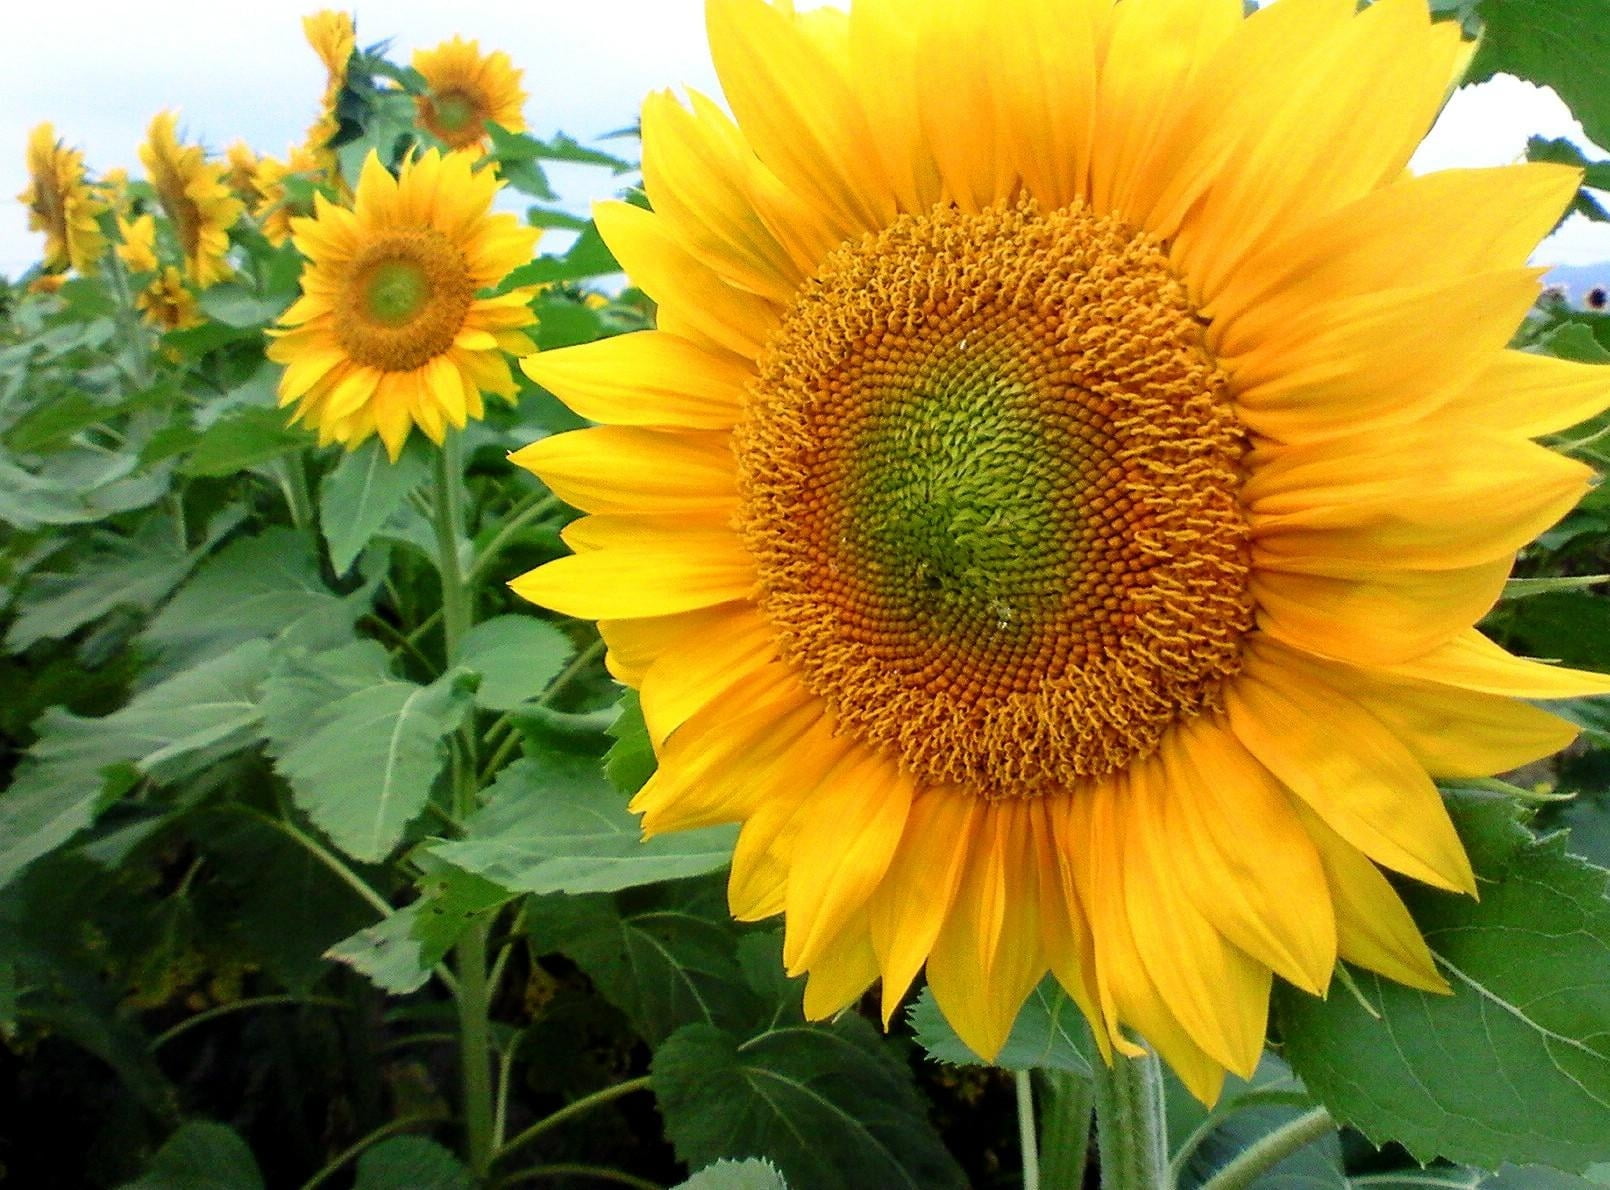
<point x="99" y="69"/>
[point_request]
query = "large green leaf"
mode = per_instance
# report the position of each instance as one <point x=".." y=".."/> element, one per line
<point x="244" y="438"/>
<point x="201" y="1155"/>
<point x="751" y="1174"/>
<point x="1564" y="44"/>
<point x="172" y="730"/>
<point x="300" y="693"/>
<point x="367" y="771"/>
<point x="265" y="587"/>
<point x="516" y="656"/>
<point x="362" y="491"/>
<point x="665" y="955"/>
<point x="554" y="825"/>
<point x="411" y="1163"/>
<point x="387" y="953"/>
<point x="1049" y="1034"/>
<point x="1515" y="1065"/>
<point x="828" y="1104"/>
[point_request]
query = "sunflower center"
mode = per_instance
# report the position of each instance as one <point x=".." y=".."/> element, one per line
<point x="405" y="299"/>
<point x="455" y="110"/>
<point x="990" y="477"/>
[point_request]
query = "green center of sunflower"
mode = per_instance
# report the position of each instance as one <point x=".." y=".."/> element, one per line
<point x="455" y="110"/>
<point x="990" y="479"/>
<point x="404" y="300"/>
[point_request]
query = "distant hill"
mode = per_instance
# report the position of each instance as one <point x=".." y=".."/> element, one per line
<point x="1577" y="279"/>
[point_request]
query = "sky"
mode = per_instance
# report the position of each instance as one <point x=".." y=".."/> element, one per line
<point x="99" y="69"/>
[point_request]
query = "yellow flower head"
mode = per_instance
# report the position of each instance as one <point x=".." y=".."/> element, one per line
<point x="62" y="205"/>
<point x="167" y="304"/>
<point x="114" y="190"/>
<point x="195" y="197"/>
<point x="389" y="332"/>
<point x="333" y="38"/>
<point x="138" y="249"/>
<point x="464" y="92"/>
<point x="1052" y="512"/>
<point x="275" y="206"/>
<point x="47" y="283"/>
<point x="244" y="167"/>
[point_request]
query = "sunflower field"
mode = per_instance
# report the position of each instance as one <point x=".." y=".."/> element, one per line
<point x="1021" y="604"/>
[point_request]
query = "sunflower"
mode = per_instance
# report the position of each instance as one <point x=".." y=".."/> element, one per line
<point x="244" y="176"/>
<point x="333" y="38"/>
<point x="464" y="92"/>
<point x="138" y="246"/>
<point x="62" y="204"/>
<point x="196" y="198"/>
<point x="167" y="304"/>
<point x="1052" y="512"/>
<point x="276" y="206"/>
<point x="389" y="332"/>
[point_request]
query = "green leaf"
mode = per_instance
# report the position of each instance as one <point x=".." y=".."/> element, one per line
<point x="115" y="571"/>
<point x="1050" y="1034"/>
<point x="78" y="766"/>
<point x="451" y="900"/>
<point x="362" y="491"/>
<point x="367" y="771"/>
<point x="1575" y="341"/>
<point x="387" y="953"/>
<point x="554" y="825"/>
<point x="589" y="256"/>
<point x="411" y="1163"/>
<point x="666" y="955"/>
<point x="1595" y="174"/>
<point x="266" y="587"/>
<point x="630" y="761"/>
<point x="244" y="438"/>
<point x="1564" y="44"/>
<point x="235" y="305"/>
<point x="516" y="656"/>
<point x="1515" y="1065"/>
<point x="827" y="1104"/>
<point x="752" y="1174"/>
<point x="299" y="694"/>
<point x="201" y="1155"/>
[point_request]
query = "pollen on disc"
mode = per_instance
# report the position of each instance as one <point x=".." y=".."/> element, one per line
<point x="990" y="479"/>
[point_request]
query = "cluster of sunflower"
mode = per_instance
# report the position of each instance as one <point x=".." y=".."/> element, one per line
<point x="1049" y="521"/>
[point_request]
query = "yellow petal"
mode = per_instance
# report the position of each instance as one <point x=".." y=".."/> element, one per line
<point x="885" y="63"/>
<point x="699" y="666"/>
<point x="649" y="378"/>
<point x="853" y="826"/>
<point x="1473" y="662"/>
<point x="1373" y="928"/>
<point x="1531" y="395"/>
<point x="916" y="893"/>
<point x="663" y="571"/>
<point x="842" y="973"/>
<point x="693" y="300"/>
<point x="1351" y="506"/>
<point x="636" y="644"/>
<point x="628" y="469"/>
<point x="1346" y="765"/>
<point x="1242" y="856"/>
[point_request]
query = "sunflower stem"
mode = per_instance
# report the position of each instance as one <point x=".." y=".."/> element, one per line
<point x="1065" y="1107"/>
<point x="1028" y="1142"/>
<point x="1257" y="1160"/>
<point x="1129" y="1123"/>
<point x="469" y="954"/>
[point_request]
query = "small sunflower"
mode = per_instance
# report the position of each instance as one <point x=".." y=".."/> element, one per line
<point x="1052" y="512"/>
<point x="276" y="206"/>
<point x="243" y="177"/>
<point x="62" y="204"/>
<point x="167" y="304"/>
<point x="464" y="92"/>
<point x="196" y="198"/>
<point x="390" y="332"/>
<point x="333" y="38"/>
<point x="138" y="246"/>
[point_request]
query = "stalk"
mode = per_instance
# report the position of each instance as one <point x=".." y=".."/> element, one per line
<point x="1130" y="1130"/>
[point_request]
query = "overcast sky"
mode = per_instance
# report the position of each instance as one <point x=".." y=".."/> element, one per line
<point x="99" y="69"/>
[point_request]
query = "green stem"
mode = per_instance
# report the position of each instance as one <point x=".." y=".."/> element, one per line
<point x="469" y="955"/>
<point x="212" y="1014"/>
<point x="1252" y="1163"/>
<point x="134" y="332"/>
<point x="576" y="1170"/>
<point x="537" y="507"/>
<point x="1129" y="1124"/>
<point x="448" y="519"/>
<point x="1065" y="1107"/>
<point x="570" y="1111"/>
<point x="390" y="1128"/>
<point x="293" y="481"/>
<point x="1028" y="1142"/>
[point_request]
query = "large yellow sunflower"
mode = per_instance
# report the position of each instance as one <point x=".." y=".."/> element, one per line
<point x="390" y="332"/>
<point x="333" y="37"/>
<point x="62" y="204"/>
<point x="464" y="92"/>
<point x="195" y="196"/>
<point x="1052" y="512"/>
